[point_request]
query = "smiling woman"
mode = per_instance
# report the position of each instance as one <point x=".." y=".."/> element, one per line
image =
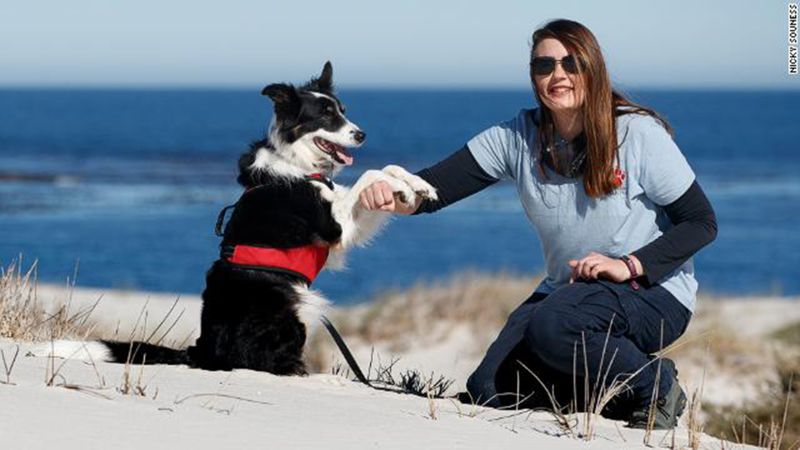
<point x="619" y="215"/>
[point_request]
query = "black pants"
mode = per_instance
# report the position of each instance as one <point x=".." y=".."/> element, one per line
<point x="610" y="326"/>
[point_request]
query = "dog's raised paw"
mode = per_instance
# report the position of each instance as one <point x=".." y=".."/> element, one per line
<point x="404" y="194"/>
<point x="423" y="188"/>
<point x="428" y="194"/>
<point x="420" y="187"/>
<point x="401" y="190"/>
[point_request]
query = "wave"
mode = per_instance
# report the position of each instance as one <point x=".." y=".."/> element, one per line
<point x="62" y="194"/>
<point x="33" y="177"/>
<point x="754" y="188"/>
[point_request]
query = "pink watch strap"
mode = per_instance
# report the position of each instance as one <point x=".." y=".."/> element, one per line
<point x="632" y="269"/>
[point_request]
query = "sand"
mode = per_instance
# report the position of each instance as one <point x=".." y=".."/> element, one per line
<point x="177" y="407"/>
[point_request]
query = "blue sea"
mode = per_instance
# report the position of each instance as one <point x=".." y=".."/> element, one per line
<point x="127" y="184"/>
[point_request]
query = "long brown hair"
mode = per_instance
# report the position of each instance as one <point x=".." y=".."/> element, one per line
<point x="602" y="104"/>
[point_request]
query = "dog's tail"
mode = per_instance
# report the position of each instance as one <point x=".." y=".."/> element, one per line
<point x="143" y="353"/>
<point x="112" y="351"/>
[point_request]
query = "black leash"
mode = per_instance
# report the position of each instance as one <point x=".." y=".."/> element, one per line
<point x="348" y="356"/>
<point x="351" y="361"/>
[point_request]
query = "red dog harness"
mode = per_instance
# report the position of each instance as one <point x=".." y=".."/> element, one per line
<point x="305" y="261"/>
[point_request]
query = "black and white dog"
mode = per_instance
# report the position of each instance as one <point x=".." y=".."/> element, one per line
<point x="290" y="222"/>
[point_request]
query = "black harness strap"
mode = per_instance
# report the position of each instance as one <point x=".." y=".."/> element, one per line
<point x="221" y="216"/>
<point x="221" y="219"/>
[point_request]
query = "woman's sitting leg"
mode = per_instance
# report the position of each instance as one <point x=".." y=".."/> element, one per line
<point x="613" y="329"/>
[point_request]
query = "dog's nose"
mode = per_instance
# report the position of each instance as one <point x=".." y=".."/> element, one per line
<point x="359" y="136"/>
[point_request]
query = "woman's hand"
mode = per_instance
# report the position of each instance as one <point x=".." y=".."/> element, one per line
<point x="379" y="196"/>
<point x="595" y="265"/>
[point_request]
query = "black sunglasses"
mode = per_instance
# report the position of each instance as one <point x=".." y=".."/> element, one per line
<point x="545" y="65"/>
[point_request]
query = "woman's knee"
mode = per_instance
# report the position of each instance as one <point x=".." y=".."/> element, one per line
<point x="548" y="330"/>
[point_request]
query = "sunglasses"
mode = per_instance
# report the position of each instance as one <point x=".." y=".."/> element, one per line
<point x="545" y="65"/>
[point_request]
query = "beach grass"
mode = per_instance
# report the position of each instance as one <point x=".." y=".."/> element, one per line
<point x="772" y="421"/>
<point x="24" y="318"/>
<point x="789" y="334"/>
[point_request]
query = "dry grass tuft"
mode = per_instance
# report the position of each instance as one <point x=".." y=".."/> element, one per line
<point x="24" y="318"/>
<point x="20" y="313"/>
<point x="8" y="367"/>
<point x="789" y="335"/>
<point x="694" y="423"/>
<point x="773" y="421"/>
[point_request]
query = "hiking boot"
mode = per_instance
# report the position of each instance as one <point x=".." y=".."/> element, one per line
<point x="465" y="398"/>
<point x="668" y="409"/>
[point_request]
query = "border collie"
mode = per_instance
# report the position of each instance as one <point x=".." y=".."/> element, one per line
<point x="290" y="222"/>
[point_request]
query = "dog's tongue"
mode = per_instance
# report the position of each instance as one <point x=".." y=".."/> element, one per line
<point x="344" y="155"/>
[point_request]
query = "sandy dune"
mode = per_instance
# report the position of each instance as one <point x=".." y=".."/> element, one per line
<point x="178" y="407"/>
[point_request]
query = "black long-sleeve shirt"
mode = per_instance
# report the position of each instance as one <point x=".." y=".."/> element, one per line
<point x="695" y="224"/>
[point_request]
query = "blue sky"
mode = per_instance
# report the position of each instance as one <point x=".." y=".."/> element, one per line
<point x="416" y="43"/>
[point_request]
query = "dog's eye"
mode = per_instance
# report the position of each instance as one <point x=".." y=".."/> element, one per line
<point x="329" y="109"/>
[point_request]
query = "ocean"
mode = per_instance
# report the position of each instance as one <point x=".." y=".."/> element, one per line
<point x="126" y="185"/>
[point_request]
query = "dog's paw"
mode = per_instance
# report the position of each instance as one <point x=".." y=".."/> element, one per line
<point x="423" y="188"/>
<point x="402" y="191"/>
<point x="417" y="184"/>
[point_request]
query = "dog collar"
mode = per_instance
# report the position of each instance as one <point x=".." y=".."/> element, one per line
<point x="320" y="178"/>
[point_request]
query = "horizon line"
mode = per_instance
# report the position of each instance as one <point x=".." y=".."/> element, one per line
<point x="387" y="87"/>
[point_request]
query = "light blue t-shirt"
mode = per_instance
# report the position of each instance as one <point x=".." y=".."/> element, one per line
<point x="570" y="224"/>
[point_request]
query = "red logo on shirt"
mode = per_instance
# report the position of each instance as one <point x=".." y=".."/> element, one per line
<point x="619" y="177"/>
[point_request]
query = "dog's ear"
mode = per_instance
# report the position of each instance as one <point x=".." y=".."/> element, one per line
<point x="285" y="98"/>
<point x="280" y="92"/>
<point x="325" y="80"/>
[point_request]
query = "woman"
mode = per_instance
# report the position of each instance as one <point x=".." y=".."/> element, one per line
<point x="619" y="214"/>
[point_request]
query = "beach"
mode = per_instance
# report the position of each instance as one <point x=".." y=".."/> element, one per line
<point x="153" y="151"/>
<point x="76" y="404"/>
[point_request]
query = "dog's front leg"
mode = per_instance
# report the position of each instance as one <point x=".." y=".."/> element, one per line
<point x="360" y="225"/>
